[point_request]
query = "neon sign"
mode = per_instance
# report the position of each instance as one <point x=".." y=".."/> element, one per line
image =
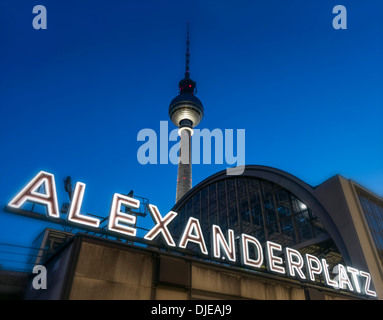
<point x="295" y="265"/>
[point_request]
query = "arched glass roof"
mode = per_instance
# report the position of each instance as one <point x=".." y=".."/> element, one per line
<point x="259" y="208"/>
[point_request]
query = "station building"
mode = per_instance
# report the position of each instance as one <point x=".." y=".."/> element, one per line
<point x="339" y="221"/>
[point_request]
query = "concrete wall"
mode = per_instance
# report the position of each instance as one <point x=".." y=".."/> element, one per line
<point x="110" y="271"/>
<point x="214" y="280"/>
<point x="104" y="272"/>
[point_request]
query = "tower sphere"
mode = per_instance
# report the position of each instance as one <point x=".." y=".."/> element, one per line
<point x="186" y="110"/>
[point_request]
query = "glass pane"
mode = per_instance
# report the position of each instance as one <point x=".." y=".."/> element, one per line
<point x="222" y="205"/>
<point x="268" y="203"/>
<point x="232" y="205"/>
<point x="243" y="206"/>
<point x="213" y="204"/>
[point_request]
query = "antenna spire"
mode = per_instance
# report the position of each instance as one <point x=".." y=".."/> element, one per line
<point x="187" y="75"/>
<point x="187" y="85"/>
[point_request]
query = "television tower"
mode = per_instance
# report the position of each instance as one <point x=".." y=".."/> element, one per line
<point x="186" y="112"/>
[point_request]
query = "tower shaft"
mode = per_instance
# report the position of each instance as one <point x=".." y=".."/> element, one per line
<point x="184" y="175"/>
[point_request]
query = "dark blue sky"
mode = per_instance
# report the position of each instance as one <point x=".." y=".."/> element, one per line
<point x="74" y="97"/>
